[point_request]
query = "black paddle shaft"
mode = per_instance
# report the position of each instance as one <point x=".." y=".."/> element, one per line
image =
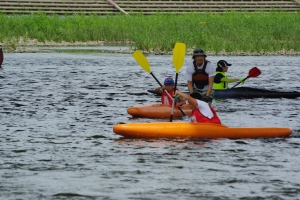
<point x="156" y="79"/>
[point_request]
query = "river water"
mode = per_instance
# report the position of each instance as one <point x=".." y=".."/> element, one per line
<point x="57" y="111"/>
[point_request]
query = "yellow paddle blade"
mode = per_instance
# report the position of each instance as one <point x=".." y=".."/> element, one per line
<point x="178" y="55"/>
<point x="142" y="60"/>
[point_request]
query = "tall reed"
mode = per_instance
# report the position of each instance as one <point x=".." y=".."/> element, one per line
<point x="229" y="32"/>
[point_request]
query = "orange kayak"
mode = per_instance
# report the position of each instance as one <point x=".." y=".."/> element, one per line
<point x="158" y="111"/>
<point x="196" y="130"/>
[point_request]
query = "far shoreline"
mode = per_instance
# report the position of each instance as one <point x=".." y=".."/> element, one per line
<point x="33" y="46"/>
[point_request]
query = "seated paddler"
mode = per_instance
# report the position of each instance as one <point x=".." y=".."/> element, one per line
<point x="202" y="112"/>
<point x="167" y="93"/>
<point x="221" y="80"/>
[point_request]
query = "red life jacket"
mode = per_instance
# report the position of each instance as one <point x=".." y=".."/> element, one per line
<point x="197" y="116"/>
<point x="165" y="99"/>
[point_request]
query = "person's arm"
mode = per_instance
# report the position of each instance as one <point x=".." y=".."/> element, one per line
<point x="159" y="90"/>
<point x="190" y="87"/>
<point x="210" y="85"/>
<point x="189" y="77"/>
<point x="181" y="101"/>
<point x="229" y="80"/>
<point x="190" y="99"/>
<point x="211" y="76"/>
<point x="203" y="106"/>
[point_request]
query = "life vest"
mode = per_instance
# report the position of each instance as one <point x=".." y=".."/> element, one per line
<point x="196" y="117"/>
<point x="166" y="99"/>
<point x="200" y="77"/>
<point x="218" y="84"/>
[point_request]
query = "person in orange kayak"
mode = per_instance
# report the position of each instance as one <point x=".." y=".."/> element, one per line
<point x="202" y="112"/>
<point x="167" y="93"/>
<point x="221" y="80"/>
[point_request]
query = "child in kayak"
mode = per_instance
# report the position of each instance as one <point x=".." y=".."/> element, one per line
<point x="202" y="112"/>
<point x="167" y="93"/>
<point x="221" y="80"/>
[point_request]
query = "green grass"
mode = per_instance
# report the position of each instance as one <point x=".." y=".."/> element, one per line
<point x="229" y="32"/>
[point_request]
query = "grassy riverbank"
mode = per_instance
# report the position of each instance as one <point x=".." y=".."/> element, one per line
<point x="231" y="32"/>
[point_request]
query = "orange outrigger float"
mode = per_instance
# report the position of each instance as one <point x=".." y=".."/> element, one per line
<point x="196" y="130"/>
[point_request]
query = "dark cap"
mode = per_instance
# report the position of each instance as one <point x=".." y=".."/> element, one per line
<point x="198" y="52"/>
<point x="196" y="95"/>
<point x="223" y="63"/>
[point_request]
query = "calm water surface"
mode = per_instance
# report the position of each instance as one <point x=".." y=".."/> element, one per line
<point x="57" y="112"/>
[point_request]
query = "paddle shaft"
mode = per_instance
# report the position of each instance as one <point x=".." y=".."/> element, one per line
<point x="172" y="111"/>
<point x="156" y="79"/>
<point x="240" y="82"/>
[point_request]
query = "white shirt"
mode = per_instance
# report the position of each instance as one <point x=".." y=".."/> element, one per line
<point x="190" y="70"/>
<point x="204" y="109"/>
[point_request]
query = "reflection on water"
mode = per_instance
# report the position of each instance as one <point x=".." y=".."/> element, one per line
<point x="56" y="117"/>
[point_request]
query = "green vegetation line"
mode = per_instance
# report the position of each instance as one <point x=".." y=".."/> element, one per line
<point x="229" y="32"/>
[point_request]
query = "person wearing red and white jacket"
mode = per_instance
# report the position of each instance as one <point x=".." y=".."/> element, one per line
<point x="202" y="112"/>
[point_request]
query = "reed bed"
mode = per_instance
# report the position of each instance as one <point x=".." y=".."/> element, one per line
<point x="226" y="32"/>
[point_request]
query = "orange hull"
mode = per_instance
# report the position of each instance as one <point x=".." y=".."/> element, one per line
<point x="196" y="130"/>
<point x="158" y="111"/>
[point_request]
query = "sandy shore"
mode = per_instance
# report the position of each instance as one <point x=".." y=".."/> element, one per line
<point x="33" y="46"/>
